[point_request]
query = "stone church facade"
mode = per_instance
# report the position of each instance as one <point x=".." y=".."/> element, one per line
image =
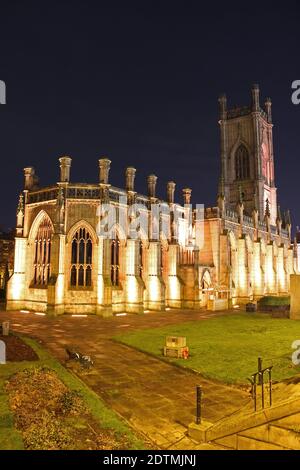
<point x="70" y="257"/>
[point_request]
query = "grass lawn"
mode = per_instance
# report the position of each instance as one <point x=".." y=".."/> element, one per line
<point x="226" y="348"/>
<point x="10" y="438"/>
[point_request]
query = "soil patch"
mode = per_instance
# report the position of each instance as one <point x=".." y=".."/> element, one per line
<point x="52" y="417"/>
<point x="17" y="350"/>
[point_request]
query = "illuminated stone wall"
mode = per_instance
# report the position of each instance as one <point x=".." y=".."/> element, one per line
<point x="222" y="255"/>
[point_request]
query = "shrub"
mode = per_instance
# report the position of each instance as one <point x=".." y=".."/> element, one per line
<point x="274" y="301"/>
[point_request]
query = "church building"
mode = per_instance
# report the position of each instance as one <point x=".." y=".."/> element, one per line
<point x="98" y="249"/>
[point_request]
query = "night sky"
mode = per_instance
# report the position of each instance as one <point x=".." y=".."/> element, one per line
<point x="139" y="83"/>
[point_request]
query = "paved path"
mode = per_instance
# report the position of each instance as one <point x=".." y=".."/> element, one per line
<point x="156" y="398"/>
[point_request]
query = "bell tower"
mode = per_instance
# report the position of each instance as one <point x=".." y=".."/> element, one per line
<point x="247" y="163"/>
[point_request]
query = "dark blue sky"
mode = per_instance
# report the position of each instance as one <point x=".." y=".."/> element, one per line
<point x="139" y="83"/>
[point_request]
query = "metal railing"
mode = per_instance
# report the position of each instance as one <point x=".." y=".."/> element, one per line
<point x="257" y="380"/>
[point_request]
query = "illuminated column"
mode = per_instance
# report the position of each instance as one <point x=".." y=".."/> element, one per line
<point x="250" y="271"/>
<point x="258" y="281"/>
<point x="242" y="270"/>
<point x="290" y="265"/>
<point x="170" y="199"/>
<point x="187" y="193"/>
<point x="154" y="282"/>
<point x="174" y="285"/>
<point x="275" y="266"/>
<point x="281" y="271"/>
<point x="17" y="283"/>
<point x="224" y="263"/>
<point x="235" y="273"/>
<point x="104" y="284"/>
<point x="56" y="285"/>
<point x="270" y="273"/>
<point x="134" y="284"/>
<point x="104" y="287"/>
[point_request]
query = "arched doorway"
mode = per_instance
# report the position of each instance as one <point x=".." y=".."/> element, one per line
<point x="205" y="287"/>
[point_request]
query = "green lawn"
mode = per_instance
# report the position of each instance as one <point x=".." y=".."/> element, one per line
<point x="226" y="348"/>
<point x="10" y="438"/>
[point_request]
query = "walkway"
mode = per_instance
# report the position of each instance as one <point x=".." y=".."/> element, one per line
<point x="156" y="398"/>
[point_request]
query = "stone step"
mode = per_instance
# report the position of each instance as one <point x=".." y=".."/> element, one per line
<point x="269" y="436"/>
<point x="210" y="446"/>
<point x="287" y="437"/>
<point x="249" y="443"/>
<point x="290" y="422"/>
<point x="241" y="422"/>
<point x="260" y="434"/>
<point x="230" y="442"/>
<point x="281" y="433"/>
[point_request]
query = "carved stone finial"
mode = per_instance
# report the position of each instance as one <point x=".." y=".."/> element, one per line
<point x="151" y="182"/>
<point x="268" y="108"/>
<point x="241" y="198"/>
<point x="170" y="191"/>
<point x="187" y="193"/>
<point x="223" y="106"/>
<point x="20" y="204"/>
<point x="255" y="97"/>
<point x="279" y="214"/>
<point x="20" y="214"/>
<point x="60" y="196"/>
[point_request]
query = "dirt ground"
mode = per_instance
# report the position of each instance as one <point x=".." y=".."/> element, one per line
<point x="52" y="417"/>
<point x="17" y="350"/>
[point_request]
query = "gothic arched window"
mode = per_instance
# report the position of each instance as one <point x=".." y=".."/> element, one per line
<point x="81" y="259"/>
<point x="42" y="253"/>
<point x="242" y="163"/>
<point x="115" y="262"/>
